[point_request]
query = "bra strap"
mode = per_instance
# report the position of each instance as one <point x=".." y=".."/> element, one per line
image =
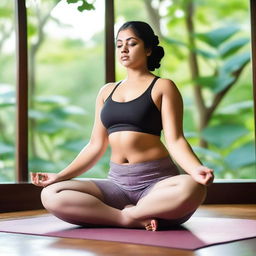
<point x="110" y="95"/>
<point x="153" y="83"/>
<point x="115" y="88"/>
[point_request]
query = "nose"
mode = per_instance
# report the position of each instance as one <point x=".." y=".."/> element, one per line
<point x="124" y="49"/>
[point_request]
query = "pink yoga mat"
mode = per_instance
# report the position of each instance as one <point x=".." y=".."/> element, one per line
<point x="196" y="233"/>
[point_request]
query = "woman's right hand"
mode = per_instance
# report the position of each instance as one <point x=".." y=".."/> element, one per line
<point x="43" y="179"/>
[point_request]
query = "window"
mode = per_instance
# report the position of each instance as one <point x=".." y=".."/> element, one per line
<point x="208" y="55"/>
<point x="24" y="196"/>
<point x="66" y="70"/>
<point x="7" y="91"/>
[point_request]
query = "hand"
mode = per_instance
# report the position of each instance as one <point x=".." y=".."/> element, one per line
<point x="43" y="179"/>
<point x="203" y="175"/>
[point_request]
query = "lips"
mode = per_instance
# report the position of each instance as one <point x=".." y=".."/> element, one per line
<point x="125" y="57"/>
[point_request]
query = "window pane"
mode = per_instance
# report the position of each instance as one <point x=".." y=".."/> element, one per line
<point x="66" y="71"/>
<point x="7" y="91"/>
<point x="223" y="134"/>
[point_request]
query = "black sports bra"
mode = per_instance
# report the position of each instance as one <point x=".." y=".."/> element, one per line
<point x="140" y="114"/>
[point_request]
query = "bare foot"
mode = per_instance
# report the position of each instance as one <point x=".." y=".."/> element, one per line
<point x="152" y="226"/>
<point x="131" y="222"/>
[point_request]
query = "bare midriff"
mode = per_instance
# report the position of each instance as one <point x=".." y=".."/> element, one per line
<point x="130" y="147"/>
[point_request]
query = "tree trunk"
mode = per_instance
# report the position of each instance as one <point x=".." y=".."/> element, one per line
<point x="195" y="73"/>
<point x="32" y="72"/>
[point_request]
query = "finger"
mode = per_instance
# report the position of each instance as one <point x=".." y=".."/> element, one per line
<point x="210" y="178"/>
<point x="33" y="177"/>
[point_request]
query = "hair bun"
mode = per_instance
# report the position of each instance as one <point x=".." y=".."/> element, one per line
<point x="155" y="40"/>
<point x="155" y="57"/>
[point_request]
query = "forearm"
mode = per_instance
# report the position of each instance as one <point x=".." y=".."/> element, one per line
<point x="85" y="160"/>
<point x="182" y="153"/>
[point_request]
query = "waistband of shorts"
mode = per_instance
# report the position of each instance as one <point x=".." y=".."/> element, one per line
<point x="140" y="175"/>
<point x="162" y="162"/>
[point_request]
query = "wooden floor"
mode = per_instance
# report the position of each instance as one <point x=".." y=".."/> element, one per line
<point x="19" y="245"/>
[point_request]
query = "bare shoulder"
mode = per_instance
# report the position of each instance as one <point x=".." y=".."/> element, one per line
<point x="105" y="90"/>
<point x="167" y="87"/>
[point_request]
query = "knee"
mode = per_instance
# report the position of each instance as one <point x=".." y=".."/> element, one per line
<point x="193" y="191"/>
<point x="48" y="198"/>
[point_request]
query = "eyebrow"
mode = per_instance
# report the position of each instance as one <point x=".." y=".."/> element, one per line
<point x="129" y="38"/>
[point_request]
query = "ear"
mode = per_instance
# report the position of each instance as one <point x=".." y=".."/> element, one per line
<point x="148" y="52"/>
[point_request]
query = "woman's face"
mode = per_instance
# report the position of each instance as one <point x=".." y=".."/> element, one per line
<point x="131" y="51"/>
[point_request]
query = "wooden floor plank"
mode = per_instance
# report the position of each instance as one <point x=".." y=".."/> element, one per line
<point x="19" y="245"/>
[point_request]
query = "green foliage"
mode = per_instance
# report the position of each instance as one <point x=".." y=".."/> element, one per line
<point x="232" y="47"/>
<point x="84" y="6"/>
<point x="6" y="150"/>
<point x="223" y="55"/>
<point x="7" y="96"/>
<point x="224" y="135"/>
<point x="226" y="56"/>
<point x="217" y="37"/>
<point x="234" y="63"/>
<point x="216" y="83"/>
<point x="242" y="156"/>
<point x="75" y="68"/>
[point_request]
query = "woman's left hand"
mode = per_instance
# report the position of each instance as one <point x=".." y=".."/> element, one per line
<point x="203" y="175"/>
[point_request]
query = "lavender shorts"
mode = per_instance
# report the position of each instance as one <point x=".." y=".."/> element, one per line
<point x="127" y="184"/>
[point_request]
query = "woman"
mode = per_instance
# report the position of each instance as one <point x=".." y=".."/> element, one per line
<point x="144" y="187"/>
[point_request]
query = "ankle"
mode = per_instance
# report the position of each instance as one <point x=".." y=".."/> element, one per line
<point x="128" y="220"/>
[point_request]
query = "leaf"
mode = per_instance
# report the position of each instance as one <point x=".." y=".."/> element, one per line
<point x="84" y="6"/>
<point x="53" y="99"/>
<point x="216" y="37"/>
<point x="208" y="154"/>
<point x="174" y="41"/>
<point x="216" y="83"/>
<point x="37" y="114"/>
<point x="7" y="103"/>
<point x="6" y="148"/>
<point x="205" y="54"/>
<point x="223" y="135"/>
<point x="191" y="134"/>
<point x="63" y="112"/>
<point x="73" y="145"/>
<point x="242" y="156"/>
<point x="235" y="63"/>
<point x="39" y="164"/>
<point x="232" y="47"/>
<point x="74" y="110"/>
<point x="235" y="108"/>
<point x="53" y="127"/>
<point x="7" y="95"/>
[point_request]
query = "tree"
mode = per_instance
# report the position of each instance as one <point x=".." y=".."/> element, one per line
<point x="223" y="76"/>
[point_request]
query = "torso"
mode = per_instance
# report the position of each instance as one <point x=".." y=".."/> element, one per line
<point x="135" y="147"/>
<point x="131" y="146"/>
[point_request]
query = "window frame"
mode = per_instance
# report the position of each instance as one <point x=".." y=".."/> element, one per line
<point x="23" y="195"/>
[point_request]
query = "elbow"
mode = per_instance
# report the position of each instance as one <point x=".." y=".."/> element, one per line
<point x="175" y="143"/>
<point x="172" y="140"/>
<point x="98" y="145"/>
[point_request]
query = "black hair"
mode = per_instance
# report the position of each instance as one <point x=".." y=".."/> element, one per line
<point x="147" y="35"/>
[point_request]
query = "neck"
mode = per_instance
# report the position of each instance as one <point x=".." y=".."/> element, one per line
<point x="135" y="74"/>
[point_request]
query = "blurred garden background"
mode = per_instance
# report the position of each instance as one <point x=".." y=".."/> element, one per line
<point x="207" y="54"/>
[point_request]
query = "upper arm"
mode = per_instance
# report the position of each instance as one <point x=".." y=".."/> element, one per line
<point x="172" y="111"/>
<point x="99" y="136"/>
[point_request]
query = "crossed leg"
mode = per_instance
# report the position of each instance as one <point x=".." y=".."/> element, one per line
<point x="81" y="202"/>
<point x="170" y="199"/>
